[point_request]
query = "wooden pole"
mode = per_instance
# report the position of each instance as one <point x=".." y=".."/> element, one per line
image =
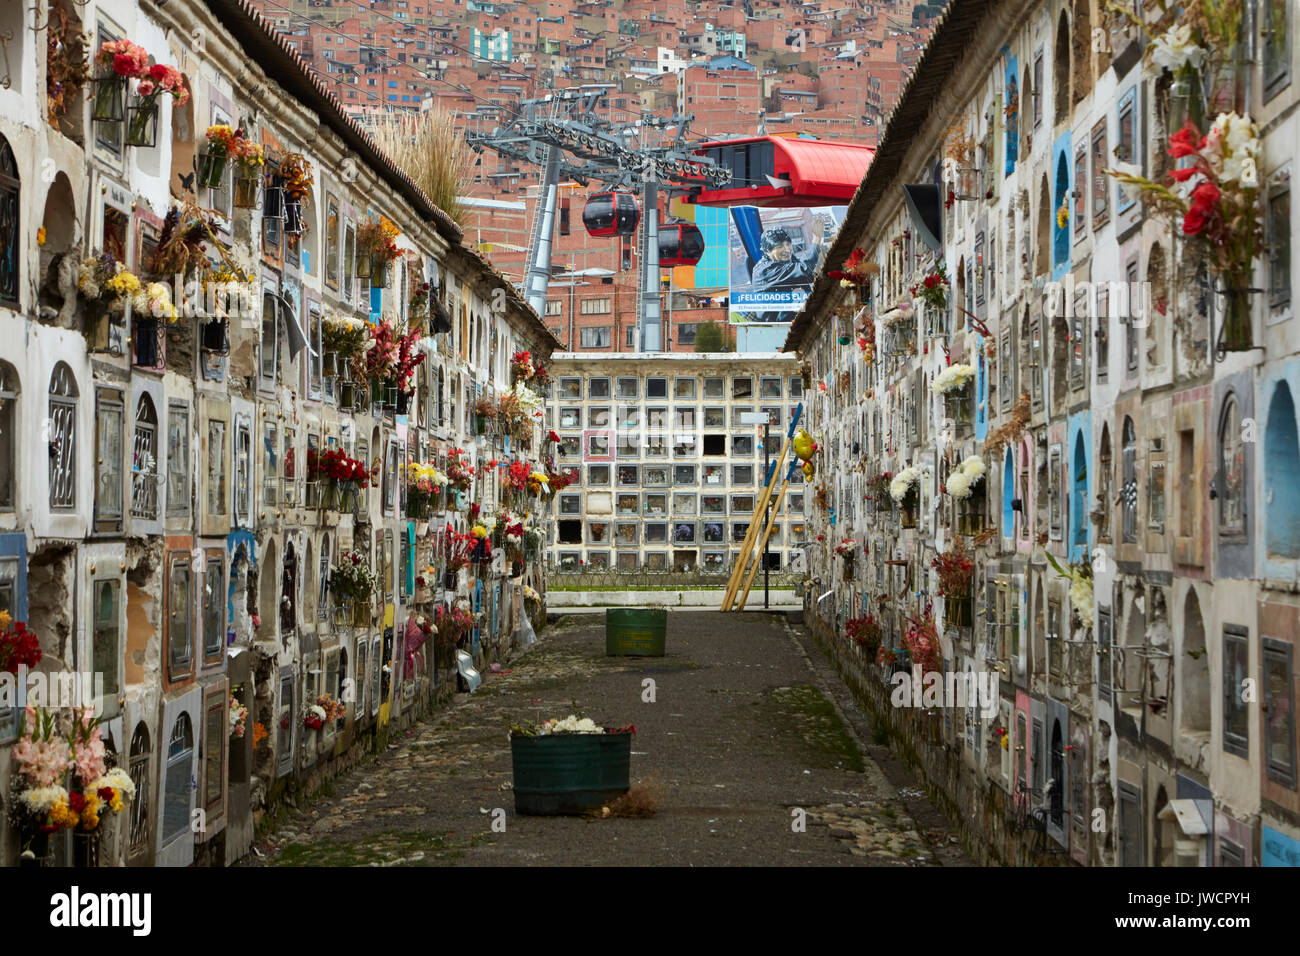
<point x="751" y="535"/>
<point x="767" y="533"/>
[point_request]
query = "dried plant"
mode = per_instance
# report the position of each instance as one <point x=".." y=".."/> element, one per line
<point x="959" y="144"/>
<point x="432" y="151"/>
<point x="985" y="536"/>
<point x="1009" y="432"/>
<point x="638" y="803"/>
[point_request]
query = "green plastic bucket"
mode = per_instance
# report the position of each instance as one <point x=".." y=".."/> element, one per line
<point x="635" y="631"/>
<point x="559" y="774"/>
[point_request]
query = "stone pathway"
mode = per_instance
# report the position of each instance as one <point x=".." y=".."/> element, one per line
<point x="748" y="745"/>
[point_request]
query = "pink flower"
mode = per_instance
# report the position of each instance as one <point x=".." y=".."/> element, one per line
<point x="145" y="88"/>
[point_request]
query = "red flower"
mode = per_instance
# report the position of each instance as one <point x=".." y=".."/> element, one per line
<point x="76" y="802"/>
<point x="1185" y="142"/>
<point x="1194" y="221"/>
<point x="1205" y="196"/>
<point x="157" y="71"/>
<point x="106" y="794"/>
<point x="1182" y="175"/>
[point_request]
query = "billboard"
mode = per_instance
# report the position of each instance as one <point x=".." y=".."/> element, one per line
<point x="773" y="256"/>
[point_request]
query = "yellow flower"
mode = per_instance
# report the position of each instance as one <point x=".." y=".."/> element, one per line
<point x="1063" y="215"/>
<point x="116" y="803"/>
<point x="5" y="620"/>
<point x="40" y="236"/>
<point x="480" y="531"/>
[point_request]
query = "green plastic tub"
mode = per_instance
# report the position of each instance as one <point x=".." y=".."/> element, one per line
<point x="635" y="631"/>
<point x="559" y="774"/>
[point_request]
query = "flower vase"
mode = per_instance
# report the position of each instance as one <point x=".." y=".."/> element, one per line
<point x="145" y="339"/>
<point x="361" y="613"/>
<point x="449" y="580"/>
<point x="1236" y="334"/>
<point x="142" y="123"/>
<point x="211" y="170"/>
<point x="421" y="527"/>
<point x="246" y="187"/>
<point x="110" y="97"/>
<point x="378" y="272"/>
<point x="292" y="217"/>
<point x="848" y="570"/>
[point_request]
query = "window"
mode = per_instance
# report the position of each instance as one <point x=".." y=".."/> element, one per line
<point x="216" y="468"/>
<point x="332" y="243"/>
<point x="626" y="388"/>
<point x="1278" y="218"/>
<point x="1126" y="148"/>
<point x="243" y="473"/>
<point x="684" y="389"/>
<point x="1100" y="181"/>
<point x="1279" y="712"/>
<point x="106" y="641"/>
<point x="349" y="260"/>
<point x="686" y="332"/>
<point x="11" y="242"/>
<point x="742" y="387"/>
<point x="178" y="459"/>
<point x="1236" y="669"/>
<point x="63" y="439"/>
<point x="656" y="388"/>
<point x="594" y="307"/>
<point x="598" y="388"/>
<point x="214" y="604"/>
<point x="8" y="438"/>
<point x="108" y="460"/>
<point x="214" y="738"/>
<point x="315" y="358"/>
<point x="1054" y="493"/>
<point x="715" y="388"/>
<point x="1275" y="18"/>
<point x="1128" y="488"/>
<point x="597" y="337"/>
<point x="270" y="338"/>
<point x="1231" y="486"/>
<point x="176" y="786"/>
<point x="144" y="461"/>
<point x="179" y="652"/>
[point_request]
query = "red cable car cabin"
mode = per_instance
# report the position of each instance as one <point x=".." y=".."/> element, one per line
<point x="611" y="214"/>
<point x="784" y="171"/>
<point x="680" y="244"/>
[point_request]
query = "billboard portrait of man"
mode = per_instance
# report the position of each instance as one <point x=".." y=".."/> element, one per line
<point x="776" y="255"/>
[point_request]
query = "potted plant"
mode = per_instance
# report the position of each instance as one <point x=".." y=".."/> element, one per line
<point x="569" y="766"/>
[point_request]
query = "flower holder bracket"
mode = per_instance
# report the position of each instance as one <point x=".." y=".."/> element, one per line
<point x="142" y="124"/>
<point x="1236" y="333"/>
<point x="110" y="99"/>
<point x="247" y="188"/>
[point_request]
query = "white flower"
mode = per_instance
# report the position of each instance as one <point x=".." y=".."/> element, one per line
<point x="952" y="378"/>
<point x="1176" y="49"/>
<point x="962" y="479"/>
<point x="118" y="779"/>
<point x="43" y="799"/>
<point x="903" y="481"/>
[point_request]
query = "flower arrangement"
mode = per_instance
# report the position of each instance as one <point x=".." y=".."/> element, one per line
<point x="903" y="484"/>
<point x="237" y="714"/>
<point x="453" y="623"/>
<point x="530" y="594"/>
<point x="335" y="710"/>
<point x="847" y="549"/>
<point x="573" y="724"/>
<point x="315" y="717"/>
<point x="561" y="479"/>
<point x="352" y="577"/>
<point x="865" y="632"/>
<point x="104" y="280"/>
<point x="962" y="479"/>
<point x="296" y="173"/>
<point x="124" y="58"/>
<point x="956" y="569"/>
<point x="19" y="647"/>
<point x="857" y="269"/>
<point x="66" y="62"/>
<point x="521" y="367"/>
<point x="1216" y="195"/>
<point x="517" y="475"/>
<point x="225" y="142"/>
<point x="159" y="79"/>
<point x="933" y="289"/>
<point x="459" y="471"/>
<point x="259" y="734"/>
<point x="344" y="335"/>
<point x="952" y="378"/>
<point x="887" y="656"/>
<point x="377" y="239"/>
<point x="902" y="312"/>
<point x="336" y="465"/>
<point x="922" y="641"/>
<point x="62" y="778"/>
<point x="1081" y="596"/>
<point x="878" y="488"/>
<point x="419" y="300"/>
<point x="1063" y="214"/>
<point x="423" y="482"/>
<point x="392" y="356"/>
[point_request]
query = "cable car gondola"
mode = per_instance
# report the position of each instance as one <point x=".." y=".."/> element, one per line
<point x="680" y="244"/>
<point x="611" y="214"/>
